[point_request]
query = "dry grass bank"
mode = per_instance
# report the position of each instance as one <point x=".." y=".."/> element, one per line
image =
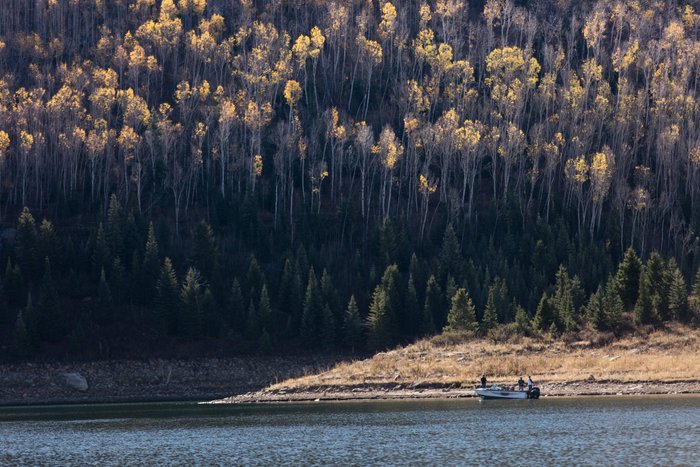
<point x="670" y="355"/>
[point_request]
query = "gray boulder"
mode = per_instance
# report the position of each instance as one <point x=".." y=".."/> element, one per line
<point x="75" y="381"/>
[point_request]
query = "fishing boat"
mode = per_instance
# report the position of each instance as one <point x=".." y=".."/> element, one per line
<point x="498" y="392"/>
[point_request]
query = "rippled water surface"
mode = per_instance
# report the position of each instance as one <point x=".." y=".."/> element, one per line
<point x="580" y="431"/>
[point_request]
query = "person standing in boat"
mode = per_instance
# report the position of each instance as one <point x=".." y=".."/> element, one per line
<point x="521" y="384"/>
<point x="483" y="381"/>
<point x="529" y="383"/>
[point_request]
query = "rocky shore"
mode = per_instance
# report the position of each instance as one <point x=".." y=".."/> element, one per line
<point x="148" y="380"/>
<point x="428" y="391"/>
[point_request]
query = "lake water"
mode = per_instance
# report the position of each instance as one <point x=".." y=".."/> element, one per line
<point x="580" y="431"/>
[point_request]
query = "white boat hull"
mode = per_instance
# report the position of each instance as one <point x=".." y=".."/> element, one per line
<point x="499" y="393"/>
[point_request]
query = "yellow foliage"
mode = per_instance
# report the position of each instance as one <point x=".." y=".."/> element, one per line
<point x="257" y="165"/>
<point x="128" y="139"/>
<point x="576" y="170"/>
<point x="387" y="26"/>
<point x="424" y="14"/>
<point x="601" y="172"/>
<point x="292" y="92"/>
<point x="4" y="143"/>
<point x="425" y="186"/>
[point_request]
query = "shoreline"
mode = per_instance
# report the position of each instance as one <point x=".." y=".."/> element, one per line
<point x="428" y="391"/>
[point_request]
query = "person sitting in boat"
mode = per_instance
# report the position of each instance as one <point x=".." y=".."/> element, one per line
<point x="521" y="384"/>
<point x="529" y="383"/>
<point x="483" y="381"/>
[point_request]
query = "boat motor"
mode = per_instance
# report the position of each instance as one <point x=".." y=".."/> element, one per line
<point x="533" y="393"/>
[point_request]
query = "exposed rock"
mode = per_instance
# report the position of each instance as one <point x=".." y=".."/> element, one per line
<point x="75" y="380"/>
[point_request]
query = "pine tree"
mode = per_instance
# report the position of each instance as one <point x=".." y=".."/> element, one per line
<point x="658" y="277"/>
<point x="677" y="293"/>
<point x="15" y="287"/>
<point x="264" y="309"/>
<point x="115" y="228"/>
<point x="50" y="322"/>
<point x="211" y="320"/>
<point x="288" y="298"/>
<point x="190" y="298"/>
<point x="312" y="314"/>
<point x="150" y="270"/>
<point x="252" y="324"/>
<point x="26" y="246"/>
<point x="614" y="306"/>
<point x="522" y="321"/>
<point x="117" y="283"/>
<point x="490" y="319"/>
<point x="595" y="309"/>
<point x="462" y="315"/>
<point x="412" y="322"/>
<point x="104" y="300"/>
<point x="352" y="326"/>
<point x="694" y="301"/>
<point x="627" y="278"/>
<point x="205" y="253"/>
<point x="101" y="256"/>
<point x="20" y="342"/>
<point x="168" y="298"/>
<point x="236" y="313"/>
<point x="330" y="295"/>
<point x="387" y="242"/>
<point x="450" y="255"/>
<point x="255" y="278"/>
<point x="328" y="330"/>
<point x="563" y="301"/>
<point x="47" y="242"/>
<point x="545" y="314"/>
<point x="380" y="322"/>
<point x="433" y="309"/>
<point x="645" y="308"/>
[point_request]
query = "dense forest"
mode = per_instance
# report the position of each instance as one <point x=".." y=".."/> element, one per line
<point x="212" y="177"/>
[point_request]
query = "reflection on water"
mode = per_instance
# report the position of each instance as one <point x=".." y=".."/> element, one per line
<point x="581" y="431"/>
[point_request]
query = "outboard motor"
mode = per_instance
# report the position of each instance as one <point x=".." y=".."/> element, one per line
<point x="533" y="393"/>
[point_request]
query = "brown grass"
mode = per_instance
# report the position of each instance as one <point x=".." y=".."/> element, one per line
<point x="668" y="355"/>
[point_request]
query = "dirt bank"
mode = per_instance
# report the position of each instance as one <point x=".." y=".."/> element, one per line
<point x="660" y="362"/>
<point x="149" y="380"/>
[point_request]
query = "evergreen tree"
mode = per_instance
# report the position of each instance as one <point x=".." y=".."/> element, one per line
<point x="236" y="312"/>
<point x="677" y="293"/>
<point x="490" y="319"/>
<point x="563" y="301"/>
<point x="264" y="309"/>
<point x="16" y="289"/>
<point x="387" y="242"/>
<point x="614" y="306"/>
<point x="412" y="321"/>
<point x="391" y="284"/>
<point x="255" y="278"/>
<point x="20" y="342"/>
<point x="380" y="321"/>
<point x="117" y="283"/>
<point x="47" y="243"/>
<point x="26" y="246"/>
<point x="50" y="321"/>
<point x="433" y="309"/>
<point x="252" y="324"/>
<point x="311" y="320"/>
<point x="150" y="270"/>
<point x="265" y="343"/>
<point x="328" y="330"/>
<point x="450" y="291"/>
<point x="205" y="253"/>
<point x="450" y="255"/>
<point x="330" y="295"/>
<point x="645" y="311"/>
<point x="115" y="228"/>
<point x="289" y="290"/>
<point x="168" y="298"/>
<point x="627" y="278"/>
<point x="545" y="314"/>
<point x="462" y="315"/>
<point x="211" y="320"/>
<point x="694" y="300"/>
<point x="352" y="326"/>
<point x="104" y="300"/>
<point x="522" y="321"/>
<point x="658" y="277"/>
<point x="190" y="298"/>
<point x="595" y="309"/>
<point x="101" y="256"/>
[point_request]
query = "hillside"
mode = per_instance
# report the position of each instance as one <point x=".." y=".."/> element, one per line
<point x="662" y="362"/>
<point x="217" y="178"/>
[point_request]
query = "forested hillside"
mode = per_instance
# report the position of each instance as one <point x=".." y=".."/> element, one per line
<point x="218" y="176"/>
